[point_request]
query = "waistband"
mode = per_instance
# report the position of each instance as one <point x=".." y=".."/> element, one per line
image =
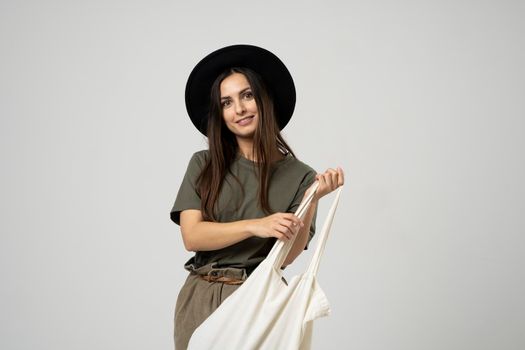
<point x="213" y="272"/>
<point x="227" y="275"/>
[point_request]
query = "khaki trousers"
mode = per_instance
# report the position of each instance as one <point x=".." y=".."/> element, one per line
<point x="198" y="299"/>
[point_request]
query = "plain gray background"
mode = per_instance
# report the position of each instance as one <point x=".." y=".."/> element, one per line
<point x="420" y="102"/>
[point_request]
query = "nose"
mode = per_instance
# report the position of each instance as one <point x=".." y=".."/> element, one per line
<point x="239" y="108"/>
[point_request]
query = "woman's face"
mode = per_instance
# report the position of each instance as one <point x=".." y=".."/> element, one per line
<point x="239" y="109"/>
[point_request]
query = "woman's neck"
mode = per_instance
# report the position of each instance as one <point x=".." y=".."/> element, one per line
<point x="246" y="150"/>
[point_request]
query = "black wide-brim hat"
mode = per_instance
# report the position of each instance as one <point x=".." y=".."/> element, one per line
<point x="274" y="73"/>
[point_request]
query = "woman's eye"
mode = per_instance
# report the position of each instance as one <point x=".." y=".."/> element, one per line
<point x="225" y="103"/>
<point x="248" y="94"/>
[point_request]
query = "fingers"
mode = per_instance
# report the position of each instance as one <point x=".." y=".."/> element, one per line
<point x="280" y="225"/>
<point x="288" y="225"/>
<point x="330" y="180"/>
<point x="295" y="220"/>
<point x="341" y="178"/>
<point x="286" y="233"/>
<point x="335" y="177"/>
<point x="332" y="176"/>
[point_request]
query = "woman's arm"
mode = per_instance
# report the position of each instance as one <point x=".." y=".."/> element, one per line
<point x="200" y="235"/>
<point x="302" y="236"/>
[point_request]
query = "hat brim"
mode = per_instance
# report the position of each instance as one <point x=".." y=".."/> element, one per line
<point x="276" y="77"/>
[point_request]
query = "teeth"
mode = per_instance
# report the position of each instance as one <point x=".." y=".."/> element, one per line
<point x="245" y="118"/>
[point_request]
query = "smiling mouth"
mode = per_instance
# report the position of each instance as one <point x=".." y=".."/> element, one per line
<point x="240" y="120"/>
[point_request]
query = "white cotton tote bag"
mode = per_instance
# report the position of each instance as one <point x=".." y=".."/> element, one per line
<point x="264" y="313"/>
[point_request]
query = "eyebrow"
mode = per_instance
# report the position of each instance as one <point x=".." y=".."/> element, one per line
<point x="240" y="92"/>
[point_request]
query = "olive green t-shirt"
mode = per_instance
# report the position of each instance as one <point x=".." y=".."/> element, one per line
<point x="290" y="178"/>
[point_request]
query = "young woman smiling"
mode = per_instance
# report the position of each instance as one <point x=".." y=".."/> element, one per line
<point x="239" y="196"/>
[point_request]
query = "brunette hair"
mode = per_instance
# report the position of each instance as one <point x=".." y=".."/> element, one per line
<point x="223" y="147"/>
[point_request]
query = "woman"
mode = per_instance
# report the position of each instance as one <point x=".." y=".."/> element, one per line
<point x="238" y="197"/>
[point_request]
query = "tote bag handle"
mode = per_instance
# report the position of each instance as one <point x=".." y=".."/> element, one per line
<point x="319" y="249"/>
<point x="281" y="248"/>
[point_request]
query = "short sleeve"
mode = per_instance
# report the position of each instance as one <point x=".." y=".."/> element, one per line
<point x="188" y="196"/>
<point x="307" y="181"/>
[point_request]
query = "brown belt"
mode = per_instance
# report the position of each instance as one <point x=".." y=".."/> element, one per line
<point x="222" y="279"/>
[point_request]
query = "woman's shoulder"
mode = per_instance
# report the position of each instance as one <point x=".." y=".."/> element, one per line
<point x="298" y="166"/>
<point x="200" y="156"/>
<point x="197" y="162"/>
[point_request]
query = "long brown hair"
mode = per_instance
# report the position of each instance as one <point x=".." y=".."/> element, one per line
<point x="223" y="147"/>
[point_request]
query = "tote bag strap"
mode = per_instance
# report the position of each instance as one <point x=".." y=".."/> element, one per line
<point x="281" y="248"/>
<point x="319" y="249"/>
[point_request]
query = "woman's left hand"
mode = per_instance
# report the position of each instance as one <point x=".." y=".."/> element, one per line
<point x="330" y="180"/>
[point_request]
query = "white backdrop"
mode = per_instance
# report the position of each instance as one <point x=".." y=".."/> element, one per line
<point x="420" y="102"/>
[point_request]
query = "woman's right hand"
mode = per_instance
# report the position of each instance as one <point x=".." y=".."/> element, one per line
<point x="280" y="225"/>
